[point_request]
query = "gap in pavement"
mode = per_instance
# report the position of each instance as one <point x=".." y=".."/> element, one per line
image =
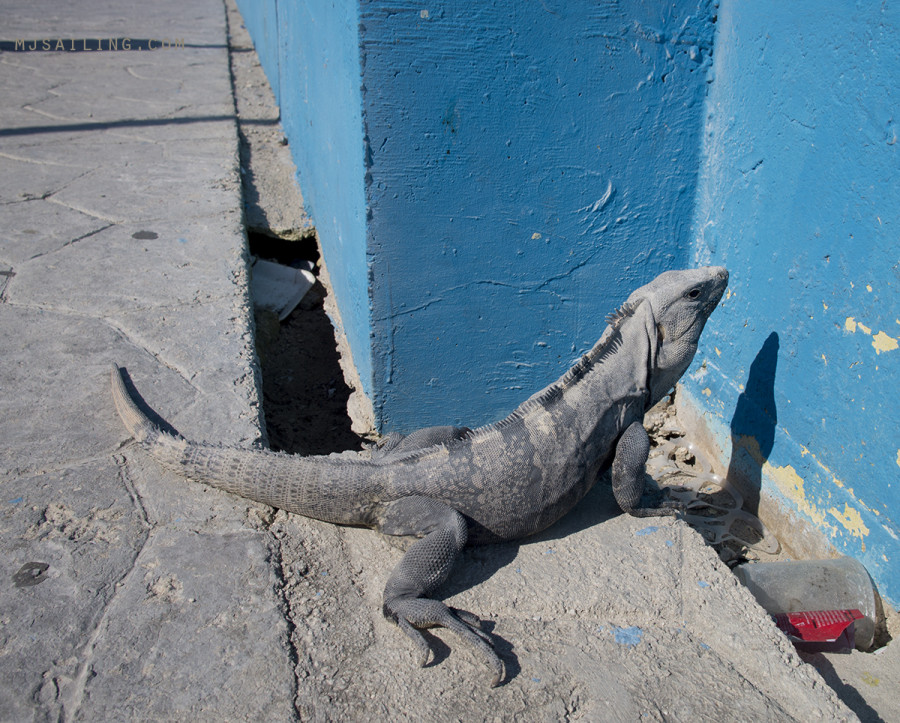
<point x="304" y="393"/>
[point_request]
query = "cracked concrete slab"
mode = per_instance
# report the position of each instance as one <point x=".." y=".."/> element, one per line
<point x="129" y="268"/>
<point x="24" y="180"/>
<point x="166" y="630"/>
<point x="126" y="595"/>
<point x="39" y="227"/>
<point x="80" y="524"/>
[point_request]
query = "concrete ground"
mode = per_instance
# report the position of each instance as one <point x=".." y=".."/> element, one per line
<point x="131" y="594"/>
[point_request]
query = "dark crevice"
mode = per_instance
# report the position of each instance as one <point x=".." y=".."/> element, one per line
<point x="304" y="392"/>
<point x="284" y="251"/>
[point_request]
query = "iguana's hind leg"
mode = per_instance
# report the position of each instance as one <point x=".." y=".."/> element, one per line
<point x="628" y="470"/>
<point x="396" y="444"/>
<point x="427" y="564"/>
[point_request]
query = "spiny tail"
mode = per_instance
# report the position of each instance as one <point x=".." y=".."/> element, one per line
<point x="329" y="489"/>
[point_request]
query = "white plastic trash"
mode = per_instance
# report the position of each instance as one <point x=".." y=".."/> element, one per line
<point x="279" y="288"/>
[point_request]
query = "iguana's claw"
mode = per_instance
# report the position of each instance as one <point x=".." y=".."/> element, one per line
<point x="660" y="504"/>
<point x="412" y="614"/>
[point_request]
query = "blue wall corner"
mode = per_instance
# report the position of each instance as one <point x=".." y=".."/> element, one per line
<point x="800" y="199"/>
<point x="528" y="165"/>
<point x="489" y="181"/>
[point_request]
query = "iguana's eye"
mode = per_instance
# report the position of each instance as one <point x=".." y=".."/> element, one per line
<point x="694" y="293"/>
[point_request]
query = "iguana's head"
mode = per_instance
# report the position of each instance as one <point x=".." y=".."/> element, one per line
<point x="681" y="302"/>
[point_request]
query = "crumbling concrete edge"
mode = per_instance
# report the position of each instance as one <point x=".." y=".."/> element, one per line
<point x="359" y="406"/>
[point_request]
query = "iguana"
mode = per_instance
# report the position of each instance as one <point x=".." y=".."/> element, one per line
<point x="452" y="486"/>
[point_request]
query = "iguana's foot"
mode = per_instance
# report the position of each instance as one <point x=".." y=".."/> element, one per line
<point x="658" y="504"/>
<point x="414" y="613"/>
<point x="628" y="472"/>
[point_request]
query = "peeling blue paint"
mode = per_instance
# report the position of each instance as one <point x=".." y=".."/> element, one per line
<point x="800" y="199"/>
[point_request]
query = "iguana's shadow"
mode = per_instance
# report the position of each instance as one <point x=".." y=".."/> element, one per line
<point x="479" y="563"/>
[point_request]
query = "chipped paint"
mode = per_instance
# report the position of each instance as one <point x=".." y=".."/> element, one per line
<point x="792" y="486"/>
<point x="851" y="520"/>
<point x="898" y="457"/>
<point x="881" y="341"/>
<point x="708" y="392"/>
<point x="884" y="343"/>
<point x="785" y="478"/>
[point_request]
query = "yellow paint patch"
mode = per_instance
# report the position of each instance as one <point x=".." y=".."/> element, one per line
<point x="898" y="457"/>
<point x="851" y="521"/>
<point x="863" y="328"/>
<point x="870" y="679"/>
<point x="824" y="359"/>
<point x="718" y="353"/>
<point x="825" y="306"/>
<point x="791" y="485"/>
<point x="850" y="324"/>
<point x="708" y="393"/>
<point x="883" y="342"/>
<point x="535" y="236"/>
<point x="869" y="288"/>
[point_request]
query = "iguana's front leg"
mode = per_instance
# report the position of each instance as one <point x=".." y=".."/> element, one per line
<point x="427" y="564"/>
<point x="628" y="471"/>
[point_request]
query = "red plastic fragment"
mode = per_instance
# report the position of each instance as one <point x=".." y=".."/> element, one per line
<point x="819" y="626"/>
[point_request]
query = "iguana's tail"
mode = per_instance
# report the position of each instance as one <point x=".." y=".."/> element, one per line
<point x="332" y="489"/>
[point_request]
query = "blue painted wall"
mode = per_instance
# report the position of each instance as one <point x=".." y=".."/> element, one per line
<point x="800" y="199"/>
<point x="310" y="52"/>
<point x="526" y="165"/>
<point x="529" y="164"/>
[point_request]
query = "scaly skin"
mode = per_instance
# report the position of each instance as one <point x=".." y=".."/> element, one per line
<point x="453" y="486"/>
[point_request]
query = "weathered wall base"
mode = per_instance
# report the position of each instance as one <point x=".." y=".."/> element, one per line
<point x="798" y="536"/>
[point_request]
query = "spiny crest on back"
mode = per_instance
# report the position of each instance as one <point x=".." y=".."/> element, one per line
<point x="601" y="351"/>
<point x="616" y="318"/>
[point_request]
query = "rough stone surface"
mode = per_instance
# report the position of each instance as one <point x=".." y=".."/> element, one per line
<point x="125" y="595"/>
